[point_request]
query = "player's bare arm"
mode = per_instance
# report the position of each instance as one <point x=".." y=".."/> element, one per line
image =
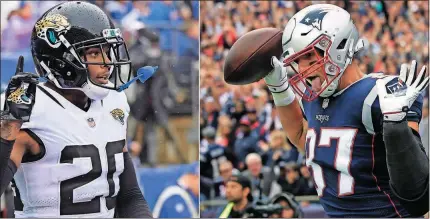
<point x="24" y="143"/>
<point x="403" y="145"/>
<point x="9" y="129"/>
<point x="293" y="123"/>
<point x="289" y="110"/>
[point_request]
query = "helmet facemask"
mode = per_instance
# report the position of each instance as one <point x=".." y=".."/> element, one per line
<point x="118" y="59"/>
<point x="79" y="78"/>
<point x="330" y="70"/>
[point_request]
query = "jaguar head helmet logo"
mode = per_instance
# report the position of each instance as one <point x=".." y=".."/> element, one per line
<point x="50" y="27"/>
<point x="118" y="115"/>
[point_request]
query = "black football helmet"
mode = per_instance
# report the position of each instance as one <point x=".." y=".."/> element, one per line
<point x="60" y="38"/>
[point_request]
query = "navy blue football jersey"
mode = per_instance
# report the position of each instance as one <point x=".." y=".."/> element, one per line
<point x="345" y="151"/>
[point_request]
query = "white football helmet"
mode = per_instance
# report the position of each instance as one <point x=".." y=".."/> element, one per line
<point x="327" y="31"/>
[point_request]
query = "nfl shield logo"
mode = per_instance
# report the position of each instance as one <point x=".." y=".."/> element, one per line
<point x="91" y="122"/>
<point x="325" y="103"/>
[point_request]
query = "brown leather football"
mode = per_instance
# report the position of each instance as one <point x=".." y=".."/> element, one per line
<point x="249" y="59"/>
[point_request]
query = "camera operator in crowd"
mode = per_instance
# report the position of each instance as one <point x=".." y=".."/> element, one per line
<point x="291" y="208"/>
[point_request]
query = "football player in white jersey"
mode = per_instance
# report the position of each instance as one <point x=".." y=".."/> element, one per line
<point x="69" y="159"/>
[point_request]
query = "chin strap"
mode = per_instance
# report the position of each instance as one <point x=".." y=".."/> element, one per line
<point x="50" y="75"/>
<point x="331" y="88"/>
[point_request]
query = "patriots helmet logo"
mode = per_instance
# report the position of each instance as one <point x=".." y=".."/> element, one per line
<point x="314" y="18"/>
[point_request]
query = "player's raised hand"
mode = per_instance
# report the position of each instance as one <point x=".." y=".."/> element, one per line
<point x="277" y="82"/>
<point x="396" y="104"/>
<point x="20" y="94"/>
<point x="277" y="79"/>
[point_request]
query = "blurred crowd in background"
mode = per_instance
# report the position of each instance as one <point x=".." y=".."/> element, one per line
<point x="163" y="121"/>
<point x="240" y="129"/>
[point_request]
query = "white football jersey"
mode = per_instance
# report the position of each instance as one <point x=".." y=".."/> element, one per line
<point x="77" y="174"/>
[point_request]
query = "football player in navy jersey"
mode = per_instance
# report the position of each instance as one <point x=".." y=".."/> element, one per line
<point x="359" y="131"/>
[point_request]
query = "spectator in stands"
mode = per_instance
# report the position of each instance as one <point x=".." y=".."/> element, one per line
<point x="16" y="36"/>
<point x="238" y="193"/>
<point x="135" y="148"/>
<point x="6" y="9"/>
<point x="209" y="153"/>
<point x="225" y="135"/>
<point x="20" y="25"/>
<point x="278" y="149"/>
<point x="257" y="129"/>
<point x="291" y="207"/>
<point x="237" y="109"/>
<point x="211" y="111"/>
<point x="309" y="189"/>
<point x="290" y="179"/>
<point x="226" y="170"/>
<point x="118" y="9"/>
<point x="263" y="179"/>
<point x="245" y="142"/>
<point x="211" y="156"/>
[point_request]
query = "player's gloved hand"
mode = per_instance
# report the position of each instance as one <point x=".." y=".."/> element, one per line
<point x="395" y="105"/>
<point x="20" y="94"/>
<point x="277" y="82"/>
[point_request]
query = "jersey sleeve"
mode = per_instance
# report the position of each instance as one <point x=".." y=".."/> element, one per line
<point x="372" y="114"/>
